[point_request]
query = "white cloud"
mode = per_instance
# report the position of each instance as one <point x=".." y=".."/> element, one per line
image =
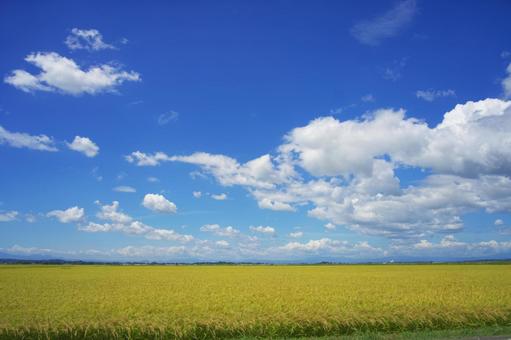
<point x="24" y="140"/>
<point x="167" y="117"/>
<point x="73" y="214"/>
<point x="120" y="176"/>
<point x="111" y="213"/>
<point x="84" y="145"/>
<point x="159" y="203"/>
<point x="125" y="188"/>
<point x="63" y="75"/>
<point x="30" y="218"/>
<point x="345" y="172"/>
<point x="330" y="226"/>
<point x="450" y="245"/>
<point x="96" y="175"/>
<point x="16" y="249"/>
<point x="506" y="82"/>
<point x="368" y="98"/>
<point x="222" y="243"/>
<point x="467" y="152"/>
<point x="8" y="216"/>
<point x="423" y="244"/>
<point x="313" y="244"/>
<point x="328" y="246"/>
<point x="296" y="234"/>
<point x="118" y="221"/>
<point x="267" y="203"/>
<point x="142" y="159"/>
<point x="218" y="230"/>
<point x="499" y="222"/>
<point x="258" y="173"/>
<point x="394" y="71"/>
<point x="313" y="250"/>
<point x="431" y="95"/>
<point x="468" y="141"/>
<point x="373" y="32"/>
<point x="153" y="179"/>
<point x="219" y="197"/>
<point x="263" y="230"/>
<point x="197" y="194"/>
<point x="83" y="39"/>
<point x="150" y="251"/>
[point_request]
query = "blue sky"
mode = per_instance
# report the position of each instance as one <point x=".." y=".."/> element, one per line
<point x="239" y="130"/>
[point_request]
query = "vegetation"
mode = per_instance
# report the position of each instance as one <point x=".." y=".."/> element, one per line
<point x="132" y="302"/>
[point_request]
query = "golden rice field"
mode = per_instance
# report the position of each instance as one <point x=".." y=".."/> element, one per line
<point x="200" y="302"/>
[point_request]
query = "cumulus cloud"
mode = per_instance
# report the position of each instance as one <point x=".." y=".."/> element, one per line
<point x="263" y="230"/>
<point x="84" y="145"/>
<point x="159" y="203"/>
<point x="260" y="172"/>
<point x="296" y="234"/>
<point x="61" y="74"/>
<point x="218" y="230"/>
<point x="125" y="188"/>
<point x="499" y="222"/>
<point x="83" y="39"/>
<point x="219" y="197"/>
<point x="454" y="146"/>
<point x="330" y="226"/>
<point x="329" y="246"/>
<point x="73" y="214"/>
<point x="373" y="32"/>
<point x="271" y="204"/>
<point x="118" y="221"/>
<point x="345" y="172"/>
<point x="24" y="140"/>
<point x="197" y="194"/>
<point x="431" y="95"/>
<point x="149" y="251"/>
<point x="111" y="213"/>
<point x="222" y="243"/>
<point x="142" y="159"/>
<point x="451" y="246"/>
<point x="153" y="179"/>
<point x="8" y="216"/>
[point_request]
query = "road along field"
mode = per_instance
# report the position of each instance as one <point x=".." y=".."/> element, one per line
<point x="234" y="301"/>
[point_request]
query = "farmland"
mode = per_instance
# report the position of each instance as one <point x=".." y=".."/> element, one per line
<point x="66" y="301"/>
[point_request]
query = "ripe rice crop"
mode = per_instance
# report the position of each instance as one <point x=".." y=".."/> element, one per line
<point x="68" y="301"/>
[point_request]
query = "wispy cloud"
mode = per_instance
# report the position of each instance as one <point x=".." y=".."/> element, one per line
<point x="8" y="216"/>
<point x="394" y="72"/>
<point x="431" y="95"/>
<point x="167" y="117"/>
<point x="125" y="188"/>
<point x="372" y="32"/>
<point x="506" y="82"/>
<point x="368" y="98"/>
<point x="81" y="39"/>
